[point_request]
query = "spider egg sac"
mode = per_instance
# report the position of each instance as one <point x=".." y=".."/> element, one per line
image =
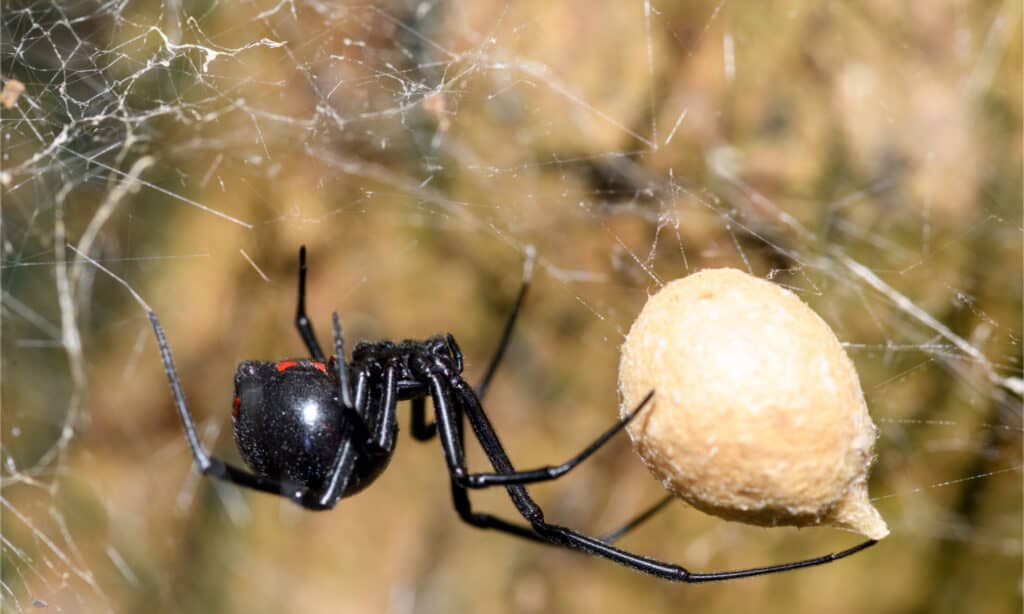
<point x="758" y="415"/>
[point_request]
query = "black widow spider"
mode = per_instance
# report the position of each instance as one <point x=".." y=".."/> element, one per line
<point x="316" y="431"/>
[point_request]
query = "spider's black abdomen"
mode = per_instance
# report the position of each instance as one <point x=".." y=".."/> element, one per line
<point x="287" y="421"/>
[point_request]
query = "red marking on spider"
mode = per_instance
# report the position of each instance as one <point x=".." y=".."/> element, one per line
<point x="284" y="365"/>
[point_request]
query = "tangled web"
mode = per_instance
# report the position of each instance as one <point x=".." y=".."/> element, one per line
<point x="868" y="158"/>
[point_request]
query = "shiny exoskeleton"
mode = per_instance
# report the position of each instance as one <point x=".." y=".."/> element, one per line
<point x="287" y="418"/>
<point x="317" y="430"/>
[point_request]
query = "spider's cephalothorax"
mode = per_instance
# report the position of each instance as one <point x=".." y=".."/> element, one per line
<point x="317" y="430"/>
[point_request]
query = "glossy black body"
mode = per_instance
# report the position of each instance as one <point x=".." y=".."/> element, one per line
<point x="289" y="422"/>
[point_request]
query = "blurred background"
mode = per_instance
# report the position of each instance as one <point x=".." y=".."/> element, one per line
<point x="866" y="156"/>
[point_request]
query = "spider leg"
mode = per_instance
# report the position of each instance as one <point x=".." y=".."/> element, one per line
<point x="385" y="424"/>
<point x="612" y="536"/>
<point x="215" y="467"/>
<point x="344" y="392"/>
<point x="560" y="535"/>
<point x="452" y="441"/>
<point x="357" y="404"/>
<point x="460" y="497"/>
<point x="551" y="472"/>
<point x="302" y="321"/>
<point x="448" y="419"/>
<point x="421" y="431"/>
<point x="337" y="480"/>
<point x="360" y="397"/>
<point x="372" y="421"/>
<point x="506" y="334"/>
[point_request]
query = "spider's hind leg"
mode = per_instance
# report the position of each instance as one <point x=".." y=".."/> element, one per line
<point x="506" y="333"/>
<point x="302" y="321"/>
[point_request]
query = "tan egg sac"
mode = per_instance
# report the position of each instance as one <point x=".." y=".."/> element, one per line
<point x="758" y="415"/>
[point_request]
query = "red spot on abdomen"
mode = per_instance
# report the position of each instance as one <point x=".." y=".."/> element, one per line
<point x="284" y="365"/>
